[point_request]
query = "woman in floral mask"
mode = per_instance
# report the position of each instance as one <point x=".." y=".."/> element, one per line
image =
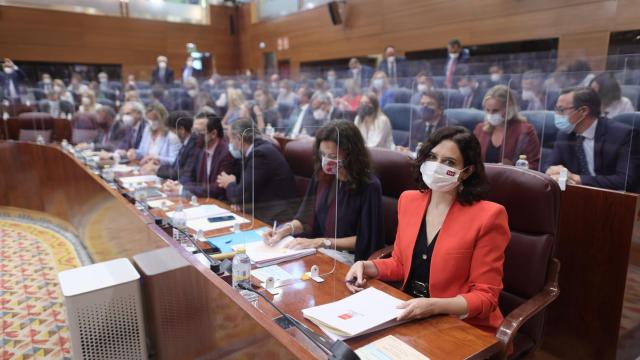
<point x="342" y="209"/>
<point x="449" y="248"/>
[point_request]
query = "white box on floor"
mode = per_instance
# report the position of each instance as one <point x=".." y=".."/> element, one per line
<point x="104" y="311"/>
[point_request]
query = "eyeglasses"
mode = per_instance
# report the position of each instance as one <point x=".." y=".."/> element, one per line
<point x="561" y="110"/>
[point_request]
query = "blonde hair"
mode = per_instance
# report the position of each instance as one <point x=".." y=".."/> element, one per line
<point x="163" y="114"/>
<point x="235" y="99"/>
<point x="505" y="96"/>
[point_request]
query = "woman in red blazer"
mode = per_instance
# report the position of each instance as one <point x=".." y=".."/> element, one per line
<point x="449" y="247"/>
<point x="504" y="134"/>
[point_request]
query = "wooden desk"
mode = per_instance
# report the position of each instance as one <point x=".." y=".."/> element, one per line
<point x="440" y="337"/>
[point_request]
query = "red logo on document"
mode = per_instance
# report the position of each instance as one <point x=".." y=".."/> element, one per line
<point x="345" y="316"/>
<point x="451" y="173"/>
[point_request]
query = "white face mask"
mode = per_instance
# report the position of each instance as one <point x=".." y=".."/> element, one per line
<point x="378" y="83"/>
<point x="528" y="95"/>
<point x="103" y="80"/>
<point x="283" y="92"/>
<point x="127" y="120"/>
<point x="162" y="65"/>
<point x="86" y="101"/>
<point x="57" y="88"/>
<point x="494" y="119"/>
<point x="439" y="177"/>
<point x="423" y="87"/>
<point x="496" y="77"/>
<point x="454" y="56"/>
<point x="319" y="114"/>
<point x="8" y="70"/>
<point x="154" y="124"/>
<point x="192" y="92"/>
<point x="47" y="81"/>
<point x="391" y="59"/>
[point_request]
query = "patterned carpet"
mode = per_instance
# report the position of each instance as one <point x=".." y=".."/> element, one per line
<point x="32" y="314"/>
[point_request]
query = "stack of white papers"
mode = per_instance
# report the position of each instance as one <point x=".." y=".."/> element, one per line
<point x="262" y="254"/>
<point x="198" y="218"/>
<point x="361" y="313"/>
<point x="130" y="182"/>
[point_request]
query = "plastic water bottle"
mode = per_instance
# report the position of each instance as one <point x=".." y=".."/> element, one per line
<point x="522" y="162"/>
<point x="269" y="130"/>
<point x="241" y="269"/>
<point x="179" y="223"/>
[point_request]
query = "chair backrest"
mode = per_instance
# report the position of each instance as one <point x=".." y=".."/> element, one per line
<point x="633" y="93"/>
<point x="401" y="115"/>
<point x="551" y="99"/>
<point x="532" y="201"/>
<point x="394" y="170"/>
<point x="299" y="155"/>
<point x="545" y="126"/>
<point x="452" y="98"/>
<point x="85" y="121"/>
<point x="401" y="96"/>
<point x="468" y="118"/>
<point x="32" y="124"/>
<point x="83" y="135"/>
<point x="106" y="102"/>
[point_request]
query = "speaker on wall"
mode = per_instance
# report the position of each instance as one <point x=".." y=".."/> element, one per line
<point x="334" y="12"/>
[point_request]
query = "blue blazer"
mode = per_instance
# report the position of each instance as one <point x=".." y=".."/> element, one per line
<point x="168" y="147"/>
<point x="613" y="164"/>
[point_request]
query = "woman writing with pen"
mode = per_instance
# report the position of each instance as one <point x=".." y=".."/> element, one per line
<point x="343" y="213"/>
<point x="449" y="248"/>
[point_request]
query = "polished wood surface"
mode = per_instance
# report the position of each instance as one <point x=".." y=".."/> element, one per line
<point x="440" y="337"/>
<point x="61" y="129"/>
<point x="594" y="237"/>
<point x="419" y="25"/>
<point x="28" y="34"/>
<point x="44" y="178"/>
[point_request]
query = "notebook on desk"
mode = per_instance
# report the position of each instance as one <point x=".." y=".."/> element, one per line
<point x="361" y="313"/>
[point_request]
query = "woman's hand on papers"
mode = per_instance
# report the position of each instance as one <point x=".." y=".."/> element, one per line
<point x="271" y="237"/>
<point x="419" y="308"/>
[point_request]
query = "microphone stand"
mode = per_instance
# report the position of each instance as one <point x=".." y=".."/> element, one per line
<point x="337" y="350"/>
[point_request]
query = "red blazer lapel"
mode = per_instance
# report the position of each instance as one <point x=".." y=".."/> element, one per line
<point x="412" y="226"/>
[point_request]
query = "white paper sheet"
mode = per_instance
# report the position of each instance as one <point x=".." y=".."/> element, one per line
<point x="203" y="211"/>
<point x="262" y="254"/>
<point x="204" y="224"/>
<point x="389" y="348"/>
<point x="138" y="179"/>
<point x="279" y="274"/>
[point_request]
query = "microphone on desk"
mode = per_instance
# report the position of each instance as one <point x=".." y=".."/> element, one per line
<point x="214" y="264"/>
<point x="337" y="350"/>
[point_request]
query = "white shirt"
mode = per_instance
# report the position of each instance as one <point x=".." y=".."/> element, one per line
<point x="298" y="125"/>
<point x="621" y="106"/>
<point x="588" y="146"/>
<point x="209" y="156"/>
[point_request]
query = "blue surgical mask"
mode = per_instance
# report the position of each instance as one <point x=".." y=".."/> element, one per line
<point x="235" y="153"/>
<point x="563" y="124"/>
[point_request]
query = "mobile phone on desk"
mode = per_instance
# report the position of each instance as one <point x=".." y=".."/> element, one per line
<point x="221" y="218"/>
<point x="212" y="250"/>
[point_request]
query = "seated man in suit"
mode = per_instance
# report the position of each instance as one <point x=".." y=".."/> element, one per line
<point x="110" y="131"/>
<point x="297" y="116"/>
<point x="319" y="112"/>
<point x="134" y="121"/>
<point x="432" y="119"/>
<point x="594" y="150"/>
<point x="266" y="177"/>
<point x="162" y="75"/>
<point x="211" y="159"/>
<point x="360" y="73"/>
<point x="473" y="93"/>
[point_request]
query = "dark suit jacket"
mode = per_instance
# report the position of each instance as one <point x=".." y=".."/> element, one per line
<point x="266" y="171"/>
<point x="184" y="163"/>
<point x="474" y="100"/>
<point x="221" y="161"/>
<point x="167" y="79"/>
<point x="311" y="125"/>
<point x="521" y="139"/>
<point x="419" y="128"/>
<point x="611" y="156"/>
<point x="364" y="76"/>
<point x="401" y="67"/>
<point x="16" y="77"/>
<point x="116" y="134"/>
<point x="462" y="59"/>
<point x="129" y="141"/>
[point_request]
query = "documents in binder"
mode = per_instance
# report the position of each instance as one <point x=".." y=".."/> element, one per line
<point x="262" y="254"/>
<point x="197" y="218"/>
<point x="361" y="313"/>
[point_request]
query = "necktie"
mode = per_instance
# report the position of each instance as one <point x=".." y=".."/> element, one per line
<point x="452" y="69"/>
<point x="427" y="131"/>
<point x="209" y="155"/>
<point x="583" y="166"/>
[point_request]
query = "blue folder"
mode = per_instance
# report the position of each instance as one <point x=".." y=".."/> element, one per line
<point x="225" y="242"/>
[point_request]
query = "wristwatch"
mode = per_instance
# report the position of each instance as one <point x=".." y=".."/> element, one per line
<point x="327" y="243"/>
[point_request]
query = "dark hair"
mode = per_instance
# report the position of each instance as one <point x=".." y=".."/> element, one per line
<point x="608" y="88"/>
<point x="373" y="99"/>
<point x="214" y="122"/>
<point x="246" y="129"/>
<point x="475" y="187"/>
<point x="435" y="95"/>
<point x="357" y="161"/>
<point x="180" y="119"/>
<point x="585" y="96"/>
<point x="455" y="42"/>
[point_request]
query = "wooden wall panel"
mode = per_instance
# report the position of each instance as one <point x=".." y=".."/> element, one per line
<point x="420" y="25"/>
<point x="44" y="35"/>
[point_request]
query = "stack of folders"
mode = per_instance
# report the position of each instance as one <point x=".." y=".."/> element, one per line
<point x="262" y="254"/>
<point x="361" y="313"/>
<point x="210" y="217"/>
